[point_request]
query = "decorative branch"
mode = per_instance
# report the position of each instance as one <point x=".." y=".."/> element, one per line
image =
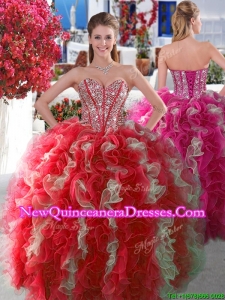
<point x="128" y="23"/>
<point x="28" y="50"/>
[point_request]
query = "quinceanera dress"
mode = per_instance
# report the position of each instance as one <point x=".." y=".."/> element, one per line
<point x="195" y="121"/>
<point x="98" y="164"/>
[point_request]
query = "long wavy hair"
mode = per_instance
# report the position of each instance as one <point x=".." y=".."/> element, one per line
<point x="104" y="19"/>
<point x="181" y="19"/>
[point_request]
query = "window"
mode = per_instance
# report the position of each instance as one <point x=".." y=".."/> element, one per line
<point x="166" y="10"/>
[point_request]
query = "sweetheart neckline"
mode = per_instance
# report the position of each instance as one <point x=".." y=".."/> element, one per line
<point x="103" y="87"/>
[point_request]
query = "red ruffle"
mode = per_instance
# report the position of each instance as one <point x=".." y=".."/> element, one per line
<point x="71" y="165"/>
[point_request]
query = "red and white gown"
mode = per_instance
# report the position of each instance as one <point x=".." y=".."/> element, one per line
<point x="101" y="163"/>
<point x="195" y="122"/>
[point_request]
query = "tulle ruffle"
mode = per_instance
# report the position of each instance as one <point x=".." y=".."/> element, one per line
<point x="102" y="258"/>
<point x="197" y="127"/>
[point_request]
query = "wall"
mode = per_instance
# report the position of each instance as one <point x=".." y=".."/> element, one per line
<point x="95" y="7"/>
<point x="213" y="23"/>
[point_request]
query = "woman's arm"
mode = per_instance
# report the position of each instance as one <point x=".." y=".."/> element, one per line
<point x="159" y="108"/>
<point x="218" y="58"/>
<point x="162" y="69"/>
<point x="66" y="81"/>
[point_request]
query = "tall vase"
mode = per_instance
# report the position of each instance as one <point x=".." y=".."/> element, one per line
<point x="15" y="131"/>
<point x="143" y="65"/>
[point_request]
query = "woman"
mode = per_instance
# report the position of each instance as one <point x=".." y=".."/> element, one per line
<point x="195" y="119"/>
<point x="102" y="164"/>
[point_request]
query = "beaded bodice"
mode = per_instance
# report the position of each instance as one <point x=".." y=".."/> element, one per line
<point x="189" y="84"/>
<point x="102" y="107"/>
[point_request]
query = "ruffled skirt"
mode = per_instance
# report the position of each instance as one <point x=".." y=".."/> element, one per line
<point x="197" y="128"/>
<point x="55" y="254"/>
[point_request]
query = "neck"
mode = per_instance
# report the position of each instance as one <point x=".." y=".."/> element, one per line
<point x="192" y="35"/>
<point x="187" y="39"/>
<point x="102" y="62"/>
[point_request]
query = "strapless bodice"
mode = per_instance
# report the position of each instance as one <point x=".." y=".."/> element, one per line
<point x="189" y="84"/>
<point x="103" y="107"/>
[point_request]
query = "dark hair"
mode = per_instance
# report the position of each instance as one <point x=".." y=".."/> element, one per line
<point x="103" y="19"/>
<point x="181" y="19"/>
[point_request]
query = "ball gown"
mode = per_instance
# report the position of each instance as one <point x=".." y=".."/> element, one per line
<point x="195" y="122"/>
<point x="101" y="163"/>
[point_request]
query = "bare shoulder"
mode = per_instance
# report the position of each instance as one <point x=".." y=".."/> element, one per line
<point x="123" y="67"/>
<point x="77" y="70"/>
<point x="207" y="48"/>
<point x="215" y="54"/>
<point x="127" y="69"/>
<point x="168" y="51"/>
<point x="76" y="74"/>
<point x="133" y="76"/>
<point x="205" y="45"/>
<point x="166" y="47"/>
<point x="127" y="72"/>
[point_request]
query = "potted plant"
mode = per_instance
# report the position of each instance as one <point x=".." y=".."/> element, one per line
<point x="216" y="74"/>
<point x="68" y="108"/>
<point x="142" y="39"/>
<point x="142" y="43"/>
